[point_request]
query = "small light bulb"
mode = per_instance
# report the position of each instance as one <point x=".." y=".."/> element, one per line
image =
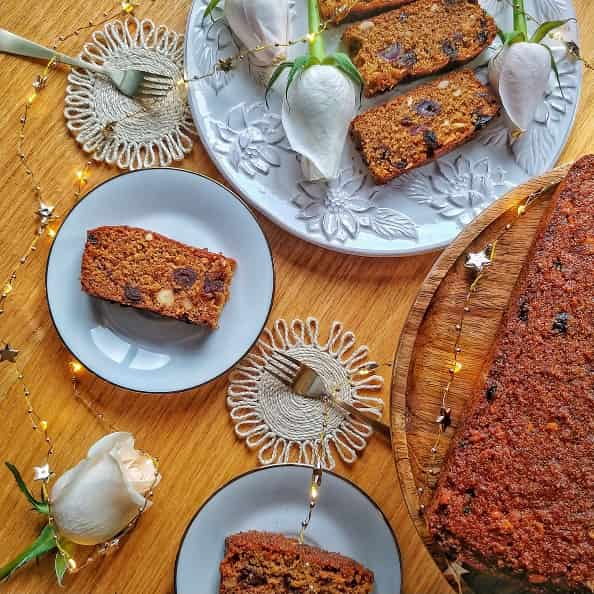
<point x="51" y="232"/>
<point x="457" y="367"/>
<point x="314" y="492"/>
<point x="71" y="564"/>
<point x="31" y="98"/>
<point x="81" y="176"/>
<point x="128" y="6"/>
<point x="75" y="366"/>
<point x="310" y="37"/>
<point x="521" y="209"/>
<point x="43" y="425"/>
<point x="7" y="289"/>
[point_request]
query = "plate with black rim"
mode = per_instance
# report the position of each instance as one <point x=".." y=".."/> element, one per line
<point x="274" y="499"/>
<point x="144" y="352"/>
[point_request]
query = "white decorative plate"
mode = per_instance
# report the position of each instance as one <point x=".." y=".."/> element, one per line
<point x="420" y="212"/>
<point x="274" y="499"/>
<point x="138" y="350"/>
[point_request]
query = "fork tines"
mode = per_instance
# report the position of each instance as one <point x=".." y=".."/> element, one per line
<point x="155" y="85"/>
<point x="283" y="367"/>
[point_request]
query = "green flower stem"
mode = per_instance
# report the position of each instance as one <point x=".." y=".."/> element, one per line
<point x="520" y="23"/>
<point x="45" y="543"/>
<point x="316" y="47"/>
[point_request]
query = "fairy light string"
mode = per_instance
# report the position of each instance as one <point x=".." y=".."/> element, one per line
<point x="45" y="212"/>
<point x="478" y="263"/>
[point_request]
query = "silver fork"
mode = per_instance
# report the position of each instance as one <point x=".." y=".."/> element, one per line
<point x="306" y="382"/>
<point x="131" y="82"/>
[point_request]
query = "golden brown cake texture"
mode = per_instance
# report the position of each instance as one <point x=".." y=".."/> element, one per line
<point x="516" y="497"/>
<point x="268" y="563"/>
<point x="149" y="271"/>
<point x="423" y="124"/>
<point x="352" y="10"/>
<point x="422" y="38"/>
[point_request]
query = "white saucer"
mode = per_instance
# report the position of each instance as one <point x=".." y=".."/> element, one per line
<point x="274" y="499"/>
<point x="141" y="351"/>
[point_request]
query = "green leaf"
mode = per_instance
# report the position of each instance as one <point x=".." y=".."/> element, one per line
<point x="46" y="542"/>
<point x="555" y="69"/>
<point x="298" y="65"/>
<point x="211" y="6"/>
<point x="544" y="29"/>
<point x="514" y="37"/>
<point x="40" y="506"/>
<point x="60" y="567"/>
<point x="275" y="75"/>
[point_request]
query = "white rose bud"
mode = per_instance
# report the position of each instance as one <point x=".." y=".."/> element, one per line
<point x="96" y="499"/>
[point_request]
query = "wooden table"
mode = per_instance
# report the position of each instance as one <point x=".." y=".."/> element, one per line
<point x="191" y="433"/>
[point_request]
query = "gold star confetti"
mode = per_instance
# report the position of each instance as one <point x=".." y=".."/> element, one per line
<point x="45" y="213"/>
<point x="8" y="354"/>
<point x="456" y="571"/>
<point x="41" y="473"/>
<point x="476" y="261"/>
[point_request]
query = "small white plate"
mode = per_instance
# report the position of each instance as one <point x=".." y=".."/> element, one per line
<point x="274" y="499"/>
<point x="142" y="351"/>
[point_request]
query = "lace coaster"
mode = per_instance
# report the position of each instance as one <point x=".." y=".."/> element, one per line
<point x="116" y="129"/>
<point x="285" y="427"/>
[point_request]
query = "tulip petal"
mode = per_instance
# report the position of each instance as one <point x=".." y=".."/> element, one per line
<point x="316" y="116"/>
<point x="98" y="504"/>
<point x="521" y="74"/>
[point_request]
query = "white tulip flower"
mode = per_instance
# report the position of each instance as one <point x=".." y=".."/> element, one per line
<point x="317" y="112"/>
<point x="96" y="499"/>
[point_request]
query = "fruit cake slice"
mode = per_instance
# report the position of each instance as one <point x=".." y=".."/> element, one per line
<point x="425" y="37"/>
<point x="353" y="10"/>
<point x="516" y="496"/>
<point x="423" y="124"/>
<point x="146" y="270"/>
<point x="268" y="563"/>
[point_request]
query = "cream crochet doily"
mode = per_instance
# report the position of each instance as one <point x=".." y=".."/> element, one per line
<point x="285" y="427"/>
<point x="126" y="132"/>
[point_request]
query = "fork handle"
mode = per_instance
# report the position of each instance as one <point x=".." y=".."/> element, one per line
<point x="376" y="425"/>
<point x="19" y="46"/>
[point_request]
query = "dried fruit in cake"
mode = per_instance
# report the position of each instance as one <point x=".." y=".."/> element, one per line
<point x="268" y="563"/>
<point x="515" y="500"/>
<point x="422" y="38"/>
<point x="423" y="124"/>
<point x="146" y="270"/>
<point x="352" y="10"/>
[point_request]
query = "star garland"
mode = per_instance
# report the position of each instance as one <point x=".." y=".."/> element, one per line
<point x="45" y="213"/>
<point x="477" y="264"/>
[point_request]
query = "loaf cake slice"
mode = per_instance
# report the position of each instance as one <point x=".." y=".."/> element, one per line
<point x="353" y="10"/>
<point x="516" y="496"/>
<point x="423" y="124"/>
<point x="144" y="269"/>
<point x="267" y="563"/>
<point x="425" y="37"/>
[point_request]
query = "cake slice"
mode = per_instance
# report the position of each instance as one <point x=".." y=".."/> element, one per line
<point x="422" y="38"/>
<point x="146" y="270"/>
<point x="267" y="563"/>
<point x="516" y="496"/>
<point x="353" y="10"/>
<point x="423" y="124"/>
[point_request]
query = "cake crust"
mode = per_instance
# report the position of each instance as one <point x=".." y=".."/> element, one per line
<point x="337" y="10"/>
<point x="144" y="269"/>
<point x="423" y="124"/>
<point x="516" y="496"/>
<point x="269" y="563"/>
<point x="422" y="38"/>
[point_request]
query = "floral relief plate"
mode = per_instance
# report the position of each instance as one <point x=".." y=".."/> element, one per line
<point x="416" y="213"/>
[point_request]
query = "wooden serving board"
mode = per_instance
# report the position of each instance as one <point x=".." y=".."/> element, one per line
<point x="426" y="346"/>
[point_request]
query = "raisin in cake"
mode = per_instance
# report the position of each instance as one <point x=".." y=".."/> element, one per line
<point x="267" y="563"/>
<point x="352" y="10"/>
<point x="422" y="38"/>
<point x="146" y="270"/>
<point x="516" y="497"/>
<point x="423" y="124"/>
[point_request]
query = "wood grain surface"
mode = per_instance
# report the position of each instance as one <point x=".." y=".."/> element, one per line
<point x="191" y="433"/>
<point x="425" y="350"/>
